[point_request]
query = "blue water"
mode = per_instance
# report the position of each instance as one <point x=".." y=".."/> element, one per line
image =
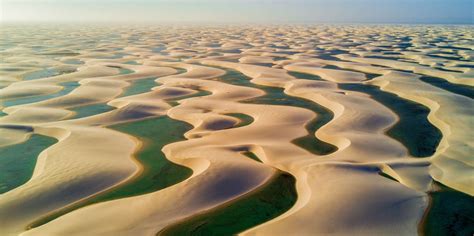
<point x="48" y="72"/>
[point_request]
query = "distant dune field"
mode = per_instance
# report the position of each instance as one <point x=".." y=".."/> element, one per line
<point x="262" y="130"/>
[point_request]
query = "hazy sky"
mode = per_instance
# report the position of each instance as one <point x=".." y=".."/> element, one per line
<point x="230" y="11"/>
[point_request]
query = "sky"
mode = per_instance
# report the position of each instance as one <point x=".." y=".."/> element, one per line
<point x="239" y="11"/>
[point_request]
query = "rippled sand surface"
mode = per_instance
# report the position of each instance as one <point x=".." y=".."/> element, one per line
<point x="268" y="130"/>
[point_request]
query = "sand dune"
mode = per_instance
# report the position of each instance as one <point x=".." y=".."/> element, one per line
<point x="452" y="113"/>
<point x="320" y="104"/>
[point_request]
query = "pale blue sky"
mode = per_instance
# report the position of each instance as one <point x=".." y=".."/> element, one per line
<point x="244" y="11"/>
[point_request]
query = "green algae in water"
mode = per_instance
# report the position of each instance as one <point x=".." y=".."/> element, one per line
<point x="261" y="64"/>
<point x="114" y="56"/>
<point x="307" y="142"/>
<point x="12" y="69"/>
<point x="67" y="88"/>
<point x="159" y="49"/>
<point x="18" y="161"/>
<point x="244" y="119"/>
<point x="137" y="87"/>
<point x="277" y="196"/>
<point x="90" y="110"/>
<point x="124" y="71"/>
<point x="300" y="75"/>
<point x="252" y="156"/>
<point x="276" y="96"/>
<point x="44" y="73"/>
<point x="158" y="172"/>
<point x="140" y="86"/>
<point x="174" y="102"/>
<point x="369" y="76"/>
<point x="132" y="63"/>
<point x="48" y="72"/>
<point x="460" y="89"/>
<point x="451" y="213"/>
<point x="61" y="54"/>
<point x="330" y="55"/>
<point x="74" y="62"/>
<point x="280" y="58"/>
<point x="385" y="175"/>
<point x="413" y="130"/>
<point x="446" y="57"/>
<point x="144" y="85"/>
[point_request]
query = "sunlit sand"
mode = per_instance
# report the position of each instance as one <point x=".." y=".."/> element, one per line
<point x="263" y="130"/>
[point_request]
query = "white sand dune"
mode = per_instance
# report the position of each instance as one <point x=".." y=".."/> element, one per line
<point x="456" y="78"/>
<point x="453" y="115"/>
<point x="327" y="74"/>
<point x="339" y="193"/>
<point x="364" y="143"/>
